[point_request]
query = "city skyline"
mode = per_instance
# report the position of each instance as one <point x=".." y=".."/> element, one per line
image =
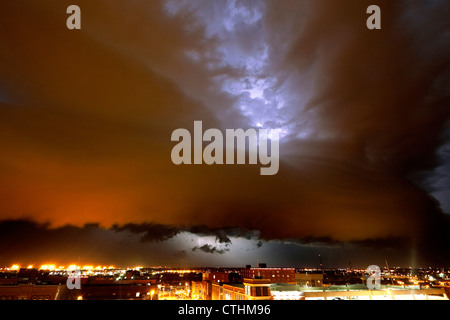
<point x="261" y="282"/>
<point x="87" y="116"/>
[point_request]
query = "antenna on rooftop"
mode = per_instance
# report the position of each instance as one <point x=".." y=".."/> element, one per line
<point x="257" y="266"/>
<point x="320" y="263"/>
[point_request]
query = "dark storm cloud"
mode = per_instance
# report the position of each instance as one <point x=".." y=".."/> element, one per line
<point x="27" y="241"/>
<point x="207" y="248"/>
<point x="150" y="232"/>
<point x="398" y="243"/>
<point x="31" y="242"/>
<point x="24" y="240"/>
<point x="86" y="119"/>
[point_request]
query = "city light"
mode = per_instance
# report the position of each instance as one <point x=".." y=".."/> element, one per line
<point x="49" y="267"/>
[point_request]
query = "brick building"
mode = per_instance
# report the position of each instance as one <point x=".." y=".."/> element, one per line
<point x="275" y="275"/>
<point x="251" y="289"/>
<point x="216" y="276"/>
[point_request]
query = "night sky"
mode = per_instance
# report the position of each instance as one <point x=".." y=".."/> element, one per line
<point x="86" y="118"/>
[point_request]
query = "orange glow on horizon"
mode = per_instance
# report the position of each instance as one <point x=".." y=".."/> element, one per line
<point x="54" y="266"/>
<point x="47" y="267"/>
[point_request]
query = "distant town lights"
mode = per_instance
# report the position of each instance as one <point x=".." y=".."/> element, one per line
<point x="48" y="267"/>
